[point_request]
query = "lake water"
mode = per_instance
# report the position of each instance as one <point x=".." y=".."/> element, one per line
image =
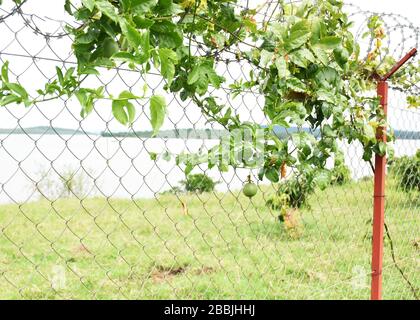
<point x="117" y="168"/>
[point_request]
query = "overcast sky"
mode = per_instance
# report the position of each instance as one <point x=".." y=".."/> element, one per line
<point x="408" y="8"/>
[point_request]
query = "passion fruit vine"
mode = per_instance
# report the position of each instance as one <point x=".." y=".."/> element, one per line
<point x="250" y="188"/>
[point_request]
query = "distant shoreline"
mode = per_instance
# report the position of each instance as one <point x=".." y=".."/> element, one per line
<point x="208" y="134"/>
<point x="44" y="130"/>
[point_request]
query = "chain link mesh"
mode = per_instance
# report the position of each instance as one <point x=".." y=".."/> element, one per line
<point x="86" y="214"/>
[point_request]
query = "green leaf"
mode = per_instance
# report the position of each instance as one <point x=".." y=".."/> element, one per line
<point x="85" y="100"/>
<point x="382" y="148"/>
<point x="300" y="33"/>
<point x="143" y="23"/>
<point x="17" y="88"/>
<point x="118" y="111"/>
<point x="158" y="112"/>
<point x="145" y="44"/>
<point x="290" y="109"/>
<point x="10" y="99"/>
<point x="272" y="174"/>
<point x="142" y="6"/>
<point x="322" y="178"/>
<point x="153" y="156"/>
<point x="127" y="57"/>
<point x="90" y="4"/>
<point x="133" y="36"/>
<point x="367" y="154"/>
<point x="214" y="78"/>
<point x="369" y="132"/>
<point x="296" y="85"/>
<point x="125" y="5"/>
<point x="318" y="28"/>
<point x="188" y="168"/>
<point x="329" y="43"/>
<point x="127" y="95"/>
<point x="81" y="95"/>
<point x="131" y="111"/>
<point x="194" y="75"/>
<point x="324" y="95"/>
<point x="266" y="57"/>
<point x="327" y="78"/>
<point x="302" y="57"/>
<point x="202" y="74"/>
<point x="413" y="101"/>
<point x="341" y="55"/>
<point x="321" y="55"/>
<point x="327" y="131"/>
<point x="69" y="73"/>
<point x="301" y="139"/>
<point x="5" y="72"/>
<point x="281" y="66"/>
<point x="168" y="59"/>
<point x="60" y="75"/>
<point x="167" y="7"/>
<point x="124" y="111"/>
<point x="67" y="6"/>
<point x="89" y="70"/>
<point x="107" y="9"/>
<point x="168" y="34"/>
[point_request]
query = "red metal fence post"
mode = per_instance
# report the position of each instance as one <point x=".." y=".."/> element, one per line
<point x="379" y="204"/>
<point x="379" y="186"/>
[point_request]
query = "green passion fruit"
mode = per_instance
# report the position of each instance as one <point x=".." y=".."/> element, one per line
<point x="250" y="189"/>
<point x="110" y="47"/>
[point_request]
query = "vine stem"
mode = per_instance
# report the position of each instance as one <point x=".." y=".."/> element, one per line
<point x="394" y="260"/>
<point x="60" y="95"/>
<point x="191" y="33"/>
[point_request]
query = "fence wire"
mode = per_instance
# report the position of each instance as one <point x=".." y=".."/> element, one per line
<point x="85" y="213"/>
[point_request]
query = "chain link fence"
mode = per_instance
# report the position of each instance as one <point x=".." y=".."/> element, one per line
<point x="90" y="209"/>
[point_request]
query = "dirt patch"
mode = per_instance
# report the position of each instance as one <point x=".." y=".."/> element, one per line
<point x="204" y="270"/>
<point x="162" y="273"/>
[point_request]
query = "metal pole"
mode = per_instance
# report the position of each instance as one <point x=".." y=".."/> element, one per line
<point x="379" y="204"/>
<point x="379" y="186"/>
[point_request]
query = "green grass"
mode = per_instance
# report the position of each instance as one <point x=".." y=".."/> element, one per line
<point x="226" y="247"/>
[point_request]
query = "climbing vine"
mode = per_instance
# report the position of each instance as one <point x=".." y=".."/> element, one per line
<point x="305" y="62"/>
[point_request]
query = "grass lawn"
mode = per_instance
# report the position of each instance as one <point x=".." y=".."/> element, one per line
<point x="226" y="246"/>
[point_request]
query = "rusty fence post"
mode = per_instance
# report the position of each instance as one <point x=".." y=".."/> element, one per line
<point x="379" y="187"/>
<point x="379" y="203"/>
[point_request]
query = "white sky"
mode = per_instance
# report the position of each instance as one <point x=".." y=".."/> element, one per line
<point x="407" y="8"/>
